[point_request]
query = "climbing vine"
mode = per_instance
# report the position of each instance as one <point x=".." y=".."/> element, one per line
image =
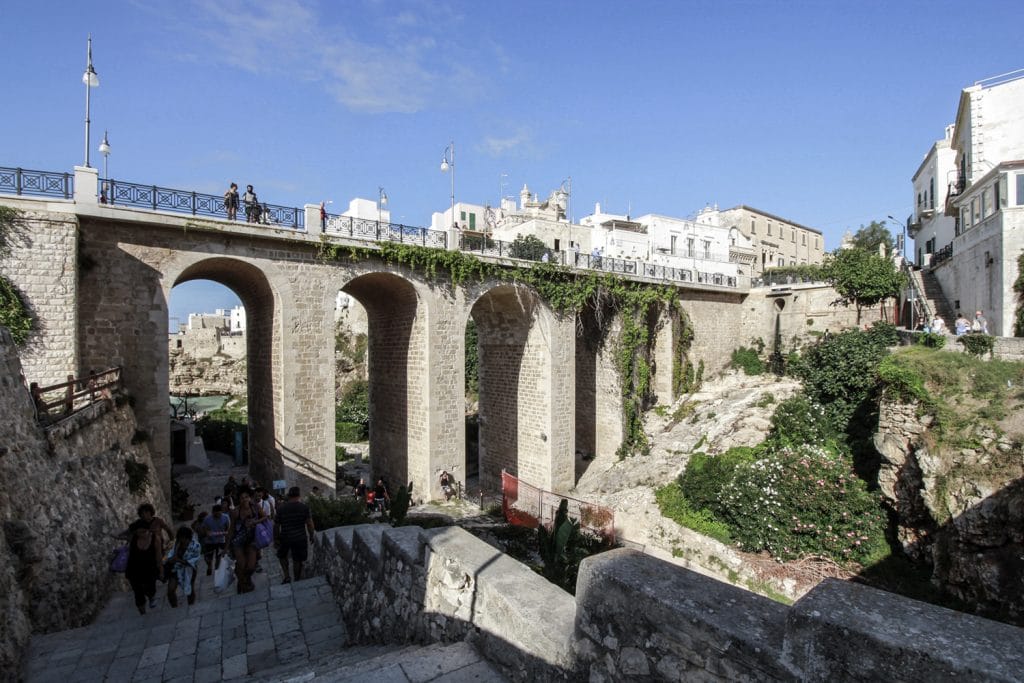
<point x="14" y="312"/>
<point x="1018" y="286"/>
<point x="568" y="292"/>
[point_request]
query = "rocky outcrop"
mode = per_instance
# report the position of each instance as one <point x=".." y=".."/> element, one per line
<point x="214" y="376"/>
<point x="63" y="492"/>
<point x="960" y="510"/>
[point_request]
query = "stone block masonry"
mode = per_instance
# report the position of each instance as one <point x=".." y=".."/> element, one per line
<point x="63" y="493"/>
<point x="638" y="618"/>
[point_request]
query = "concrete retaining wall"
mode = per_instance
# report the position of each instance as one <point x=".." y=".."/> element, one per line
<point x="638" y="618"/>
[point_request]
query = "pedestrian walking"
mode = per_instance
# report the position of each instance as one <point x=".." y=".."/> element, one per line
<point x="231" y="201"/>
<point x="242" y="533"/>
<point x="293" y="525"/>
<point x="180" y="566"/>
<point x="143" y="566"/>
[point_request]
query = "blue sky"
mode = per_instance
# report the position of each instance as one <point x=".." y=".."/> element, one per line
<point x="816" y="111"/>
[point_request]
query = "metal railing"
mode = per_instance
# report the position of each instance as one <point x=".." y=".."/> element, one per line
<point x="943" y="254"/>
<point x="155" y="198"/>
<point x="772" y="279"/>
<point x="60" y="400"/>
<point x="379" y="231"/>
<point x="23" y="181"/>
<point x="530" y="506"/>
<point x="919" y="308"/>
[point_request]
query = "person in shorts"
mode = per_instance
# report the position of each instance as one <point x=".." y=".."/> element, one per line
<point x="292" y="526"/>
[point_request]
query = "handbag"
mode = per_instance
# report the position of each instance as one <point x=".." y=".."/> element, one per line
<point x="264" y="534"/>
<point x="119" y="560"/>
<point x="224" y="574"/>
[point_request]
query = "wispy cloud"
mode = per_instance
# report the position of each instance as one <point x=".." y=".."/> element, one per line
<point x="392" y="64"/>
<point x="519" y="144"/>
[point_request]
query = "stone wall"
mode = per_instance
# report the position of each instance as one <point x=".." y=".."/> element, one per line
<point x="216" y="376"/>
<point x="638" y="618"/>
<point x="63" y="491"/>
<point x="43" y="265"/>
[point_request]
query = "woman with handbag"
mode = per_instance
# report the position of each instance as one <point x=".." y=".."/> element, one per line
<point x="143" y="566"/>
<point x="242" y="533"/>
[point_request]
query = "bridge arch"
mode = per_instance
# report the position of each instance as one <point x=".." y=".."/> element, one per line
<point x="263" y="351"/>
<point x="399" y="373"/>
<point x="526" y="386"/>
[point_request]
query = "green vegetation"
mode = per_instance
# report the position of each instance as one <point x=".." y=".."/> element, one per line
<point x="977" y="344"/>
<point x="864" y="278"/>
<point x="930" y="339"/>
<point x="138" y="476"/>
<point x="563" y="548"/>
<point x="1018" y="286"/>
<point x="811" y="271"/>
<point x="332" y="512"/>
<point x="352" y="413"/>
<point x="675" y="506"/>
<point x="218" y="429"/>
<point x="472" y="359"/>
<point x="14" y="312"/>
<point x="747" y="360"/>
<point x="528" y="247"/>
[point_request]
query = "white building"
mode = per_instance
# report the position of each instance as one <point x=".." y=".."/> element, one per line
<point x="929" y="226"/>
<point x="986" y="202"/>
<point x="776" y="241"/>
<point x="238" y="319"/>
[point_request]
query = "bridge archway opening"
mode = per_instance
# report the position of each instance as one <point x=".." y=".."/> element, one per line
<point x="398" y="407"/>
<point x="513" y="405"/>
<point x="249" y="340"/>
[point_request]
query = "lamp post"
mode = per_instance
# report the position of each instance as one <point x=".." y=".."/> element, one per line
<point x="448" y="162"/>
<point x="105" y="185"/>
<point x="382" y="201"/>
<point x="902" y="238"/>
<point x="91" y="80"/>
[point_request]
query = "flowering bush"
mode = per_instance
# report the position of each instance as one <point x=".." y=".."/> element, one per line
<point x="804" y="500"/>
<point x="799" y="420"/>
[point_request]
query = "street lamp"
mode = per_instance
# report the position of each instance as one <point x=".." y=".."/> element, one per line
<point x="105" y="187"/>
<point x="91" y="80"/>
<point x="382" y="201"/>
<point x="448" y="162"/>
<point x="902" y="238"/>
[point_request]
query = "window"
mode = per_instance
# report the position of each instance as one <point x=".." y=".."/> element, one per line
<point x="1020" y="189"/>
<point x="816" y="243"/>
<point x="965" y="217"/>
<point x="803" y="239"/>
<point x="782" y="262"/>
<point x="753" y="223"/>
<point x="931" y="193"/>
<point x="974" y="211"/>
<point x="707" y="248"/>
<point x="557" y="242"/>
<point x="769" y="228"/>
<point x="472" y="224"/>
<point x="463" y="215"/>
<point x="792" y="236"/>
<point x="689" y="247"/>
<point x="672" y="247"/>
<point x="986" y="203"/>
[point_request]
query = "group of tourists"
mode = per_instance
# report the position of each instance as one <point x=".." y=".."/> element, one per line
<point x="239" y="525"/>
<point x="254" y="211"/>
<point x="378" y="498"/>
<point x="961" y="326"/>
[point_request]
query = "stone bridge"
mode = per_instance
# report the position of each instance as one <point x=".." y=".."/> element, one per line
<point x="98" y="279"/>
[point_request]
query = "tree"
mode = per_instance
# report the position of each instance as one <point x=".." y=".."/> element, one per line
<point x="528" y="247"/>
<point x="864" y="278"/>
<point x="870" y="236"/>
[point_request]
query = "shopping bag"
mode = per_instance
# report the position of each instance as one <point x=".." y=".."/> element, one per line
<point x="224" y="574"/>
<point x="119" y="560"/>
<point x="264" y="533"/>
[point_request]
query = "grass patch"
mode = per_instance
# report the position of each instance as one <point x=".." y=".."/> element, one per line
<point x="674" y="505"/>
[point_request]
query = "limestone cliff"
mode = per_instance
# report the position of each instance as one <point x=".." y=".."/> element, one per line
<point x="216" y="375"/>
<point x="63" y="492"/>
<point x="958" y="509"/>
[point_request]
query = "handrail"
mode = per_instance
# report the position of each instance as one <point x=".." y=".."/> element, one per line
<point x="920" y="309"/>
<point x="94" y="387"/>
<point x="44" y="183"/>
<point x="382" y="231"/>
<point x="154" y="197"/>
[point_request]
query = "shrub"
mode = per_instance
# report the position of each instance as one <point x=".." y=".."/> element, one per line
<point x="884" y="333"/>
<point x="799" y="420"/>
<point x="138" y="476"/>
<point x="930" y="339"/>
<point x="841" y="374"/>
<point x="901" y="381"/>
<point x="354" y="407"/>
<point x="527" y="247"/>
<point x="976" y="344"/>
<point x="705" y="475"/>
<point x="747" y="360"/>
<point x="564" y="547"/>
<point x="349" y="432"/>
<point x="674" y="505"/>
<point x="218" y="429"/>
<point x="14" y="313"/>
<point x="333" y="512"/>
<point x="802" y="501"/>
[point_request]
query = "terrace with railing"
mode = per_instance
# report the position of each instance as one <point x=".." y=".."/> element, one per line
<point x="120" y="193"/>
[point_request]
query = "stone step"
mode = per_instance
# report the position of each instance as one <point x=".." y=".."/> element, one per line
<point x="443" y="663"/>
<point x="233" y="636"/>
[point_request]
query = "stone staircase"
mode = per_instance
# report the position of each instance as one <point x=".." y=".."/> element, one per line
<point x="928" y="288"/>
<point x="292" y="632"/>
